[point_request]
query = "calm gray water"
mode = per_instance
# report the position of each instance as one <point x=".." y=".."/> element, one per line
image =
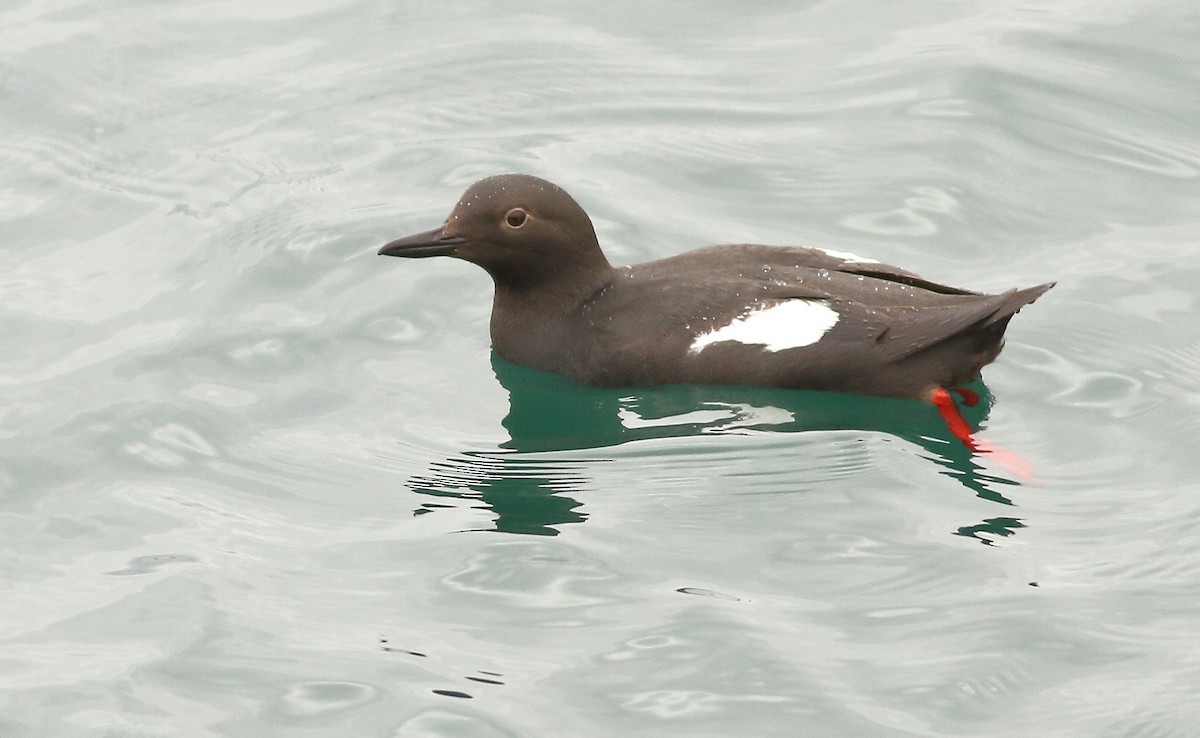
<point x="257" y="481"/>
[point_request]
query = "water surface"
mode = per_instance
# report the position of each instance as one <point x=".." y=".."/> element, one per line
<point x="255" y="480"/>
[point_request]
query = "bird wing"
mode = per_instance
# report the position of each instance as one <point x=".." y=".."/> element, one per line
<point x="909" y="318"/>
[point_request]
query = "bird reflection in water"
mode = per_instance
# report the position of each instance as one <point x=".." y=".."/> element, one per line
<point x="532" y="490"/>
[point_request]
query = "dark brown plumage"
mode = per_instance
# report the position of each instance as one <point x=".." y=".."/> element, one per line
<point x="736" y="315"/>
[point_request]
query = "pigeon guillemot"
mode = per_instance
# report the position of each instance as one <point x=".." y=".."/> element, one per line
<point x="743" y="314"/>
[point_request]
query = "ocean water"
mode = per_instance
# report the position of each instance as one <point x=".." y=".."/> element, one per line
<point x="257" y="481"/>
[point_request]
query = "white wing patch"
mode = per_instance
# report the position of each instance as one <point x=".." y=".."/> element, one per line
<point x="849" y="256"/>
<point x="775" y="327"/>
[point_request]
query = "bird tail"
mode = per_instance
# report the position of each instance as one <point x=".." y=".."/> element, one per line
<point x="1014" y="301"/>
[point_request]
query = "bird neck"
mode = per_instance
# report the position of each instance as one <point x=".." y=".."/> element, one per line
<point x="552" y="292"/>
<point x="548" y="310"/>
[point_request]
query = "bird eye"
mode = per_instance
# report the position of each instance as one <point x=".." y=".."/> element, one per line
<point x="516" y="217"/>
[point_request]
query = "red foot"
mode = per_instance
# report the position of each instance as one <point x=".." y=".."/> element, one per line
<point x="970" y="398"/>
<point x="958" y="426"/>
